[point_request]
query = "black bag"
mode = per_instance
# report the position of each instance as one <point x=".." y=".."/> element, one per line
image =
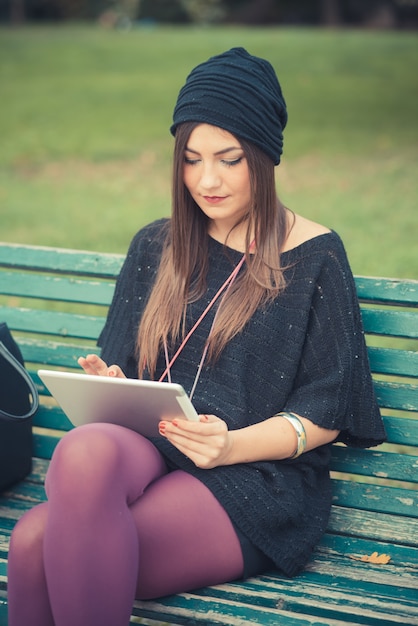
<point x="18" y="403"/>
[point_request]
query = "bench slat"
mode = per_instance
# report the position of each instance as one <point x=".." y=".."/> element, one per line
<point x="399" y="323"/>
<point x="59" y="288"/>
<point x="370" y="497"/>
<point x="402" y="431"/>
<point x="219" y="612"/>
<point x="22" y="496"/>
<point x="401" y="556"/>
<point x="61" y="260"/>
<point x="394" y="362"/>
<point x="352" y="523"/>
<point x="396" y="396"/>
<point x="44" y="445"/>
<point x="388" y="465"/>
<point x="52" y="322"/>
<point x="53" y="354"/>
<point x="52" y="418"/>
<point x="393" y="323"/>
<point x="392" y="290"/>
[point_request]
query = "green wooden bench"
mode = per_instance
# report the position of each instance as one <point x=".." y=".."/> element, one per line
<point x="55" y="303"/>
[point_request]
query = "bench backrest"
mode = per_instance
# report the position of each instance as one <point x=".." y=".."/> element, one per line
<point x="55" y="302"/>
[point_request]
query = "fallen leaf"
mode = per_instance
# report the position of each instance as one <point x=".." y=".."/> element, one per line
<point x="378" y="559"/>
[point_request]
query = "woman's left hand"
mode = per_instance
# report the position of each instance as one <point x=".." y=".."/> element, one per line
<point x="95" y="366"/>
<point x="208" y="442"/>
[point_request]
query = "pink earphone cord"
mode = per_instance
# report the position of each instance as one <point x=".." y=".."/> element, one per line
<point x="225" y="287"/>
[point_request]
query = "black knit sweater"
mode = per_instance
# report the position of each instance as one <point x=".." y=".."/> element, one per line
<point x="304" y="352"/>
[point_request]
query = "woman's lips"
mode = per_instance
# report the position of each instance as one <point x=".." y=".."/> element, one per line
<point x="214" y="199"/>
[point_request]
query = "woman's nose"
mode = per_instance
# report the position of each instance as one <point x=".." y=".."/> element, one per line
<point x="210" y="177"/>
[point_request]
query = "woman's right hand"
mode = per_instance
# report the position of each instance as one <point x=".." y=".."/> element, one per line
<point x="95" y="366"/>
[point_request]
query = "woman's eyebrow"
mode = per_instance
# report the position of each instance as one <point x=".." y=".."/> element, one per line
<point x="223" y="151"/>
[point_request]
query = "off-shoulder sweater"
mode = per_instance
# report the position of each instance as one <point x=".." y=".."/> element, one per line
<point x="304" y="352"/>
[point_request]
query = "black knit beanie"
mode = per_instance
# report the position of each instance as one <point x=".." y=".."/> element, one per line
<point x="239" y="93"/>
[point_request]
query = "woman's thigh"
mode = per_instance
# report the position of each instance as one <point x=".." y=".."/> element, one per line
<point x="186" y="539"/>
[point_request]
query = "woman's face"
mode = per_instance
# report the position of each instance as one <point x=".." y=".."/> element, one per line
<point x="217" y="177"/>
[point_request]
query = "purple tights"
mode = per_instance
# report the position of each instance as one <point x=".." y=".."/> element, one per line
<point x="116" y="526"/>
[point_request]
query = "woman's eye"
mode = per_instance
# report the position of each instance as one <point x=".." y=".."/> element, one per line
<point x="227" y="162"/>
<point x="189" y="161"/>
<point x="233" y="162"/>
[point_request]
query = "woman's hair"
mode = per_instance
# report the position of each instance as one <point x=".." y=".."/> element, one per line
<point x="181" y="277"/>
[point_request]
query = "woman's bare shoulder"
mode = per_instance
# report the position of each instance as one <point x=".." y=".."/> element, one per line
<point x="300" y="230"/>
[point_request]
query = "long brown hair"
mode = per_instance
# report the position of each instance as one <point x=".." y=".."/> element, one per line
<point x="185" y="255"/>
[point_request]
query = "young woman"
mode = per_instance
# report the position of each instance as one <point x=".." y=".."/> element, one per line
<point x="253" y="310"/>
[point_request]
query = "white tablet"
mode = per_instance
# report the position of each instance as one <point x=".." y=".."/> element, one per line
<point x="135" y="404"/>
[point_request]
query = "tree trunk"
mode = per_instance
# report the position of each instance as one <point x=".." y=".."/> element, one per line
<point x="17" y="12"/>
<point x="331" y="12"/>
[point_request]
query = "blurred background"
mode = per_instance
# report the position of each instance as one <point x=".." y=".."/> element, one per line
<point x="87" y="89"/>
<point x="366" y="13"/>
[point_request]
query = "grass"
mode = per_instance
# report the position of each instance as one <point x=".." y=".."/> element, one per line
<point x="85" y="150"/>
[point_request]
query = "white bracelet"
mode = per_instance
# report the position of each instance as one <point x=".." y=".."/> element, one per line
<point x="300" y="432"/>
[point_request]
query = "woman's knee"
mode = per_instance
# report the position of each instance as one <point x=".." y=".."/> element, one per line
<point x="98" y="459"/>
<point x="83" y="453"/>
<point x="28" y="534"/>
